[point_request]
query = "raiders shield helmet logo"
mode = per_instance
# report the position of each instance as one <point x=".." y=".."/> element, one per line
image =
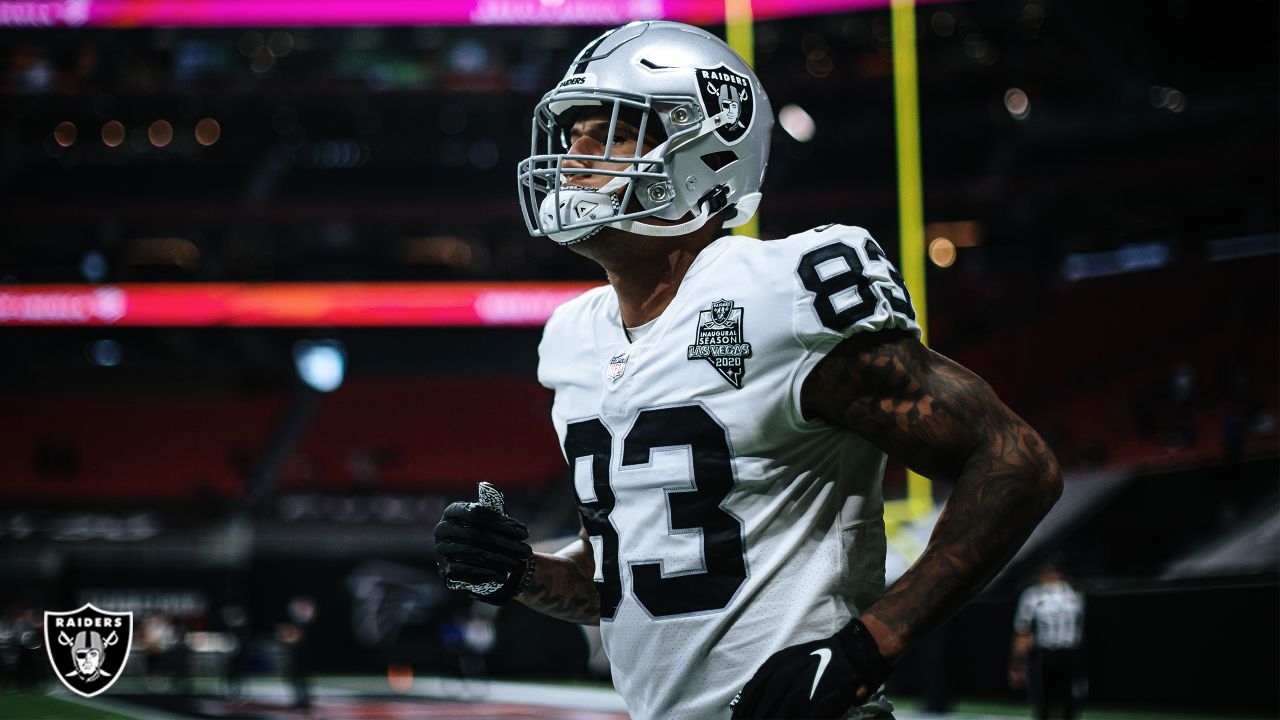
<point x="88" y="647"/>
<point x="725" y="91"/>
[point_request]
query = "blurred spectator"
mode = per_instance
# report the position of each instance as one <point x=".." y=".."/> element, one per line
<point x="10" y="649"/>
<point x="180" y="656"/>
<point x="237" y="622"/>
<point x="1183" y="391"/>
<point x="28" y="631"/>
<point x="294" y="635"/>
<point x="1048" y="656"/>
<point x="469" y="635"/>
<point x="158" y="640"/>
<point x="1168" y="409"/>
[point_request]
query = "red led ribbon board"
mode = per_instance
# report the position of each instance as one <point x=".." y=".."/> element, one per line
<point x="286" y="305"/>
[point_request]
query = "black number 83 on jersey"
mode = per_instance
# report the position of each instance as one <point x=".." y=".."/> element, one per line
<point x="845" y="294"/>
<point x="695" y="509"/>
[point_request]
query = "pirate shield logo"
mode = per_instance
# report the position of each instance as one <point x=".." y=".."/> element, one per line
<point x="88" y="647"/>
<point x="725" y="91"/>
<point x="719" y="341"/>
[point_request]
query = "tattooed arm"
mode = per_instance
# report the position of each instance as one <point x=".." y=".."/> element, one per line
<point x="563" y="585"/>
<point x="944" y="422"/>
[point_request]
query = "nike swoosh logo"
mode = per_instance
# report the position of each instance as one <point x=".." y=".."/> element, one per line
<point x="824" y="657"/>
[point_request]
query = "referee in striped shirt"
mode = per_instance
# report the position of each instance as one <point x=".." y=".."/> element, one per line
<point x="1048" y="646"/>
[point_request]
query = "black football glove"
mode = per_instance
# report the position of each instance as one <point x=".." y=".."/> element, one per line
<point x="480" y="550"/>
<point x="818" y="679"/>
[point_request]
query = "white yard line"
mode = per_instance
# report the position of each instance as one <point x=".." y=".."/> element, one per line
<point x="598" y="699"/>
<point x="116" y="706"/>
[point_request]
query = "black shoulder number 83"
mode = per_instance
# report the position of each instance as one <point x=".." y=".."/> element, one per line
<point x="835" y="272"/>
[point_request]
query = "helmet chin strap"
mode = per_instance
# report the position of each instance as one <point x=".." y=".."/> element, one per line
<point x="636" y="226"/>
<point x="642" y="228"/>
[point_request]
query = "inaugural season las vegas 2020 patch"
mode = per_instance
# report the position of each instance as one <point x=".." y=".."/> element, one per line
<point x="719" y="341"/>
<point x="88" y="647"/>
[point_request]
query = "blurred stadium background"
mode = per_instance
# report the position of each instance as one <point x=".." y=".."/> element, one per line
<point x="267" y="304"/>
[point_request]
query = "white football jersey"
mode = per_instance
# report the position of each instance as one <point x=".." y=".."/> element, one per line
<point x="1054" y="612"/>
<point x="724" y="525"/>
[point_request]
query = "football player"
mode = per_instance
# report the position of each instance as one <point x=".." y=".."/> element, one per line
<point x="726" y="406"/>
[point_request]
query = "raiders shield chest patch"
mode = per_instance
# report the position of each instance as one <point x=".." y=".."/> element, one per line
<point x="719" y="341"/>
<point x="725" y="91"/>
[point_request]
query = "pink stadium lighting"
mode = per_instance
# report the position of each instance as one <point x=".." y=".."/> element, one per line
<point x="222" y="13"/>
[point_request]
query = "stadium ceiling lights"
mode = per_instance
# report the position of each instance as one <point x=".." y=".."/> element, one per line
<point x="321" y="364"/>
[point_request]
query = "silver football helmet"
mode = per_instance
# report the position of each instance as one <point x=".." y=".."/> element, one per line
<point x="715" y="129"/>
